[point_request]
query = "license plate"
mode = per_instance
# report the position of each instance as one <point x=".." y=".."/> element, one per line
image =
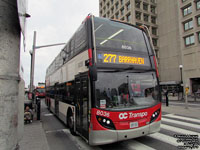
<point x="133" y="124"/>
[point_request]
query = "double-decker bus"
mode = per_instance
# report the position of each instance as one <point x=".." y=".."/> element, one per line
<point x="104" y="83"/>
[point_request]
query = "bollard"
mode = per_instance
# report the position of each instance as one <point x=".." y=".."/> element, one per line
<point x="38" y="108"/>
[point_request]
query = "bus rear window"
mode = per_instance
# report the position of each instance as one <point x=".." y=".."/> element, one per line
<point x="118" y="36"/>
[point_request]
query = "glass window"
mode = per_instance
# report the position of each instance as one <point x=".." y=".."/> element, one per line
<point x="153" y="9"/>
<point x="153" y="1"/>
<point x="146" y="17"/>
<point x="153" y="19"/>
<point x="117" y="15"/>
<point x="137" y="4"/>
<point x="117" y="5"/>
<point x="115" y="35"/>
<point x="128" y="18"/>
<point x="189" y="40"/>
<point x="154" y="30"/>
<point x="122" y="2"/>
<point x="184" y="0"/>
<point x="145" y="6"/>
<point x="112" y="1"/>
<point x="187" y="10"/>
<point x="122" y="11"/>
<point x="198" y="5"/>
<point x="198" y="20"/>
<point x="198" y="34"/>
<point x="112" y="10"/>
<point x="108" y="5"/>
<point x="155" y="42"/>
<point x="128" y="6"/>
<point x="188" y="25"/>
<point x="126" y="91"/>
<point x="138" y="15"/>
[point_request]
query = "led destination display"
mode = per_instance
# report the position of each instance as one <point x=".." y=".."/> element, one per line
<point x="122" y="59"/>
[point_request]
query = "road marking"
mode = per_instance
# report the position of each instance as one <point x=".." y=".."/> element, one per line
<point x="51" y="131"/>
<point x="184" y="118"/>
<point x="179" y="130"/>
<point x="81" y="144"/>
<point x="181" y="123"/>
<point x="133" y="144"/>
<point x="48" y="114"/>
<point x="165" y="138"/>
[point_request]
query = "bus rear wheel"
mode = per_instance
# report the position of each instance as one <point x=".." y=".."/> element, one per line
<point x="70" y="122"/>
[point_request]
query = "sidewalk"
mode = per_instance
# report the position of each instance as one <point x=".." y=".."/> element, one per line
<point x="193" y="112"/>
<point x="34" y="137"/>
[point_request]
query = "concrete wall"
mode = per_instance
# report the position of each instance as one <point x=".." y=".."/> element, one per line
<point x="9" y="73"/>
<point x="169" y="40"/>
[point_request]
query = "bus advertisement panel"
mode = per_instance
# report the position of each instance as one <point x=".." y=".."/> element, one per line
<point x="108" y="88"/>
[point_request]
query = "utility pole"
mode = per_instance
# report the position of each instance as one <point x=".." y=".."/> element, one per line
<point x="32" y="53"/>
<point x="9" y="74"/>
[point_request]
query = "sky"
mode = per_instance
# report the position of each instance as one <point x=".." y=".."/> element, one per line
<point x="55" y="21"/>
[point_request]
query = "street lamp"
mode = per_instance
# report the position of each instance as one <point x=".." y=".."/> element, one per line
<point x="181" y="71"/>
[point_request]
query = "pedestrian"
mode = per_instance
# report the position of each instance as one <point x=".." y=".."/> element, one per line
<point x="167" y="100"/>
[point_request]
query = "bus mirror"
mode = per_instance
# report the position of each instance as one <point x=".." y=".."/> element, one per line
<point x="93" y="73"/>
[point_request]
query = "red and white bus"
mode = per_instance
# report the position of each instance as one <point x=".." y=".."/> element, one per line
<point x="104" y="83"/>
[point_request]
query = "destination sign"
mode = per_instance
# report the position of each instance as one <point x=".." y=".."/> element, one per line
<point x="122" y="59"/>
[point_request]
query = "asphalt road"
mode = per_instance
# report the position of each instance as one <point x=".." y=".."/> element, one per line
<point x="59" y="137"/>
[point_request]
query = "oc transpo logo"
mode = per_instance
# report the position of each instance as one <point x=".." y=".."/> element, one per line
<point x="123" y="116"/>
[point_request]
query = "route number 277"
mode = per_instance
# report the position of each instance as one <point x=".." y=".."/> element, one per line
<point x="110" y="58"/>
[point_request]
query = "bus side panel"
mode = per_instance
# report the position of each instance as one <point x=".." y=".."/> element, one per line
<point x="52" y="105"/>
<point x="63" y="108"/>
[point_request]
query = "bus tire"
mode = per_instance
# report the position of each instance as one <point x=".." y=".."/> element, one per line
<point x="70" y="124"/>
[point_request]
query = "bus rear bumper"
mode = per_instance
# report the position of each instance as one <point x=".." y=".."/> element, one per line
<point x="111" y="136"/>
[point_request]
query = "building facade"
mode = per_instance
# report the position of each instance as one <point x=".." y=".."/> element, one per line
<point x="175" y="31"/>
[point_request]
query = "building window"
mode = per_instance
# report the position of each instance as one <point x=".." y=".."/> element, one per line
<point x="108" y="14"/>
<point x="189" y="40"/>
<point x="122" y="2"/>
<point x="146" y="17"/>
<point x="153" y="1"/>
<point x="198" y="20"/>
<point x="112" y="10"/>
<point x="155" y="42"/>
<point x="128" y="6"/>
<point x="128" y="17"/>
<point x="117" y="15"/>
<point x="198" y="34"/>
<point x="188" y="25"/>
<point x="137" y="4"/>
<point x="153" y="20"/>
<point x="184" y="0"/>
<point x="138" y="24"/>
<point x="153" y="9"/>
<point x="122" y="11"/>
<point x="112" y="1"/>
<point x="117" y="5"/>
<point x="145" y="6"/>
<point x="108" y="5"/>
<point x="138" y="15"/>
<point x="154" y="31"/>
<point x="122" y="19"/>
<point x="101" y="4"/>
<point x="187" y="10"/>
<point x="198" y="5"/>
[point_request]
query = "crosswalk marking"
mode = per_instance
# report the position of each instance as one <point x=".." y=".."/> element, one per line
<point x="184" y="118"/>
<point x="181" y="123"/>
<point x="138" y="146"/>
<point x="179" y="130"/>
<point x="164" y="138"/>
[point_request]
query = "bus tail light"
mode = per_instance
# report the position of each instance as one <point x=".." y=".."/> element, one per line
<point x="155" y="115"/>
<point x="90" y="56"/>
<point x="106" y="122"/>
